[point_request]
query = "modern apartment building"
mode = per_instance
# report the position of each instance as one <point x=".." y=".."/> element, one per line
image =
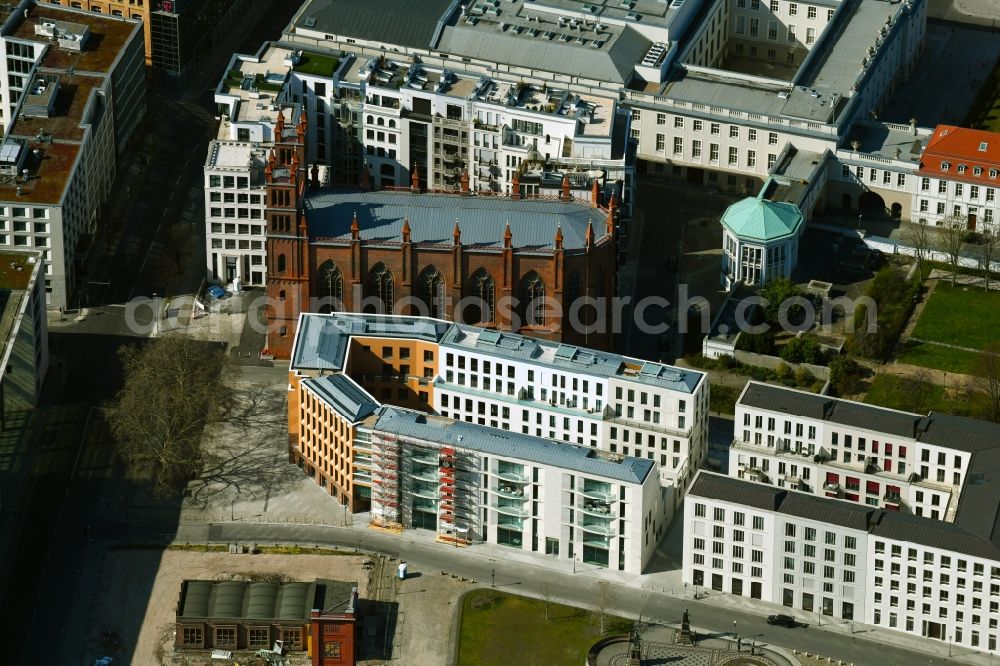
<point x="636" y="430"/>
<point x="458" y="456"/>
<point x="870" y="455"/>
<point x="133" y="9"/>
<point x="73" y="94"/>
<point x="853" y="562"/>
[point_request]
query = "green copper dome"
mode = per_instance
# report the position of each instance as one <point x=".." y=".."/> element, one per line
<point x="757" y="219"/>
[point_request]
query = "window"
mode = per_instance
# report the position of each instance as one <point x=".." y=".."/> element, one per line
<point x="661" y="119"/>
<point x="259" y="637"/>
<point x="192" y="636"/>
<point x="678" y="145"/>
<point x="734" y="156"/>
<point x="678" y="122"/>
<point x="533" y="296"/>
<point x="380" y="287"/>
<point x="225" y="636"/>
<point x="811" y="12"/>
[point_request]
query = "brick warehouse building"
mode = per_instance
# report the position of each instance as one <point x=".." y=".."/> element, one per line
<point x="424" y="252"/>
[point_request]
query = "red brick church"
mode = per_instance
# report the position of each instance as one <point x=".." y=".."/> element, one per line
<point x="507" y="262"/>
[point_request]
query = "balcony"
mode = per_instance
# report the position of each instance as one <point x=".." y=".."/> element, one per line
<point x="512" y="492"/>
<point x="598" y="509"/>
<point x="599" y="495"/>
<point x="603" y="528"/>
<point x="426" y="459"/>
<point x="425" y="492"/>
<point x="512" y="477"/>
<point x="427" y="476"/>
<point x="425" y="506"/>
<point x="832" y="489"/>
<point x="508" y="510"/>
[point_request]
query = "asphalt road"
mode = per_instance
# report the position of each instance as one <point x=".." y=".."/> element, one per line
<point x="430" y="559"/>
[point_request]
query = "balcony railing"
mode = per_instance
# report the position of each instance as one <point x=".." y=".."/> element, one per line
<point x="512" y="477"/>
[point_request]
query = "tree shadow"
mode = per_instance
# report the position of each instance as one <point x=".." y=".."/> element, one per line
<point x="245" y="455"/>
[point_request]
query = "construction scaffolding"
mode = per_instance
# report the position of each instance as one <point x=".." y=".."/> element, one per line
<point x="452" y="523"/>
<point x="385" y="482"/>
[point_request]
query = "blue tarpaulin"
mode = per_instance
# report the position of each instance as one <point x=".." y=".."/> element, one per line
<point x="216" y="291"/>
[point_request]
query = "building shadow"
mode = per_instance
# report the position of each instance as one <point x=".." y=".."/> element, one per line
<point x="379" y="620"/>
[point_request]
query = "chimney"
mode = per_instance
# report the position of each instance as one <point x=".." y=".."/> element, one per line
<point x="415" y="178"/>
<point x="465" y="182"/>
<point x="566" y="196"/>
<point x="515" y="187"/>
<point x="595" y="194"/>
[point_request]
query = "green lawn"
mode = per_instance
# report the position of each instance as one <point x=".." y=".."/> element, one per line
<point x="928" y="355"/>
<point x="910" y="395"/>
<point x="963" y="316"/>
<point x="503" y="629"/>
<point x="317" y="64"/>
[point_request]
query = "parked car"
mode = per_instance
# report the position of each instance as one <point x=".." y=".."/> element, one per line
<point x="782" y="621"/>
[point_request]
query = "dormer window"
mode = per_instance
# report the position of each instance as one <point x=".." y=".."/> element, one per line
<point x="977" y="171"/>
<point x="945" y="166"/>
<point x="993" y="174"/>
<point x="983" y="146"/>
<point x="961" y="168"/>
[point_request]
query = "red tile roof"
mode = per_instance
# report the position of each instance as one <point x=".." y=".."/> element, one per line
<point x="951" y="148"/>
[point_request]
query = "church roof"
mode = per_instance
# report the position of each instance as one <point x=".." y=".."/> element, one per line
<point x="432" y="217"/>
<point x="758" y="219"/>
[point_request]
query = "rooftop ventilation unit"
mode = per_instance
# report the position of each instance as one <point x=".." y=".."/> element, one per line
<point x="310" y="22"/>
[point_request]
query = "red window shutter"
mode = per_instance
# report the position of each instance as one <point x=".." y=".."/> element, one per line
<point x="832" y="478"/>
<point x="872" y="487"/>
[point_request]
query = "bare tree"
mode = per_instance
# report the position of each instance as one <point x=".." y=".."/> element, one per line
<point x="605" y="599"/>
<point x="545" y="590"/>
<point x="951" y="240"/>
<point x="986" y="253"/>
<point x="174" y="388"/>
<point x="919" y="236"/>
<point x="989" y="374"/>
<point x="919" y="387"/>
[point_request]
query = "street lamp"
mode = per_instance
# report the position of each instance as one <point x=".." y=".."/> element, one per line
<point x="493" y="577"/>
<point x="156" y="323"/>
<point x="734" y="628"/>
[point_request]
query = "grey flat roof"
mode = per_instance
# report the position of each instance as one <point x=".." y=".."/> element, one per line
<point x="978" y="508"/>
<point x="724" y="92"/>
<point x="938" y="429"/>
<point x="343" y="395"/>
<point x="820" y="509"/>
<point x="525" y="44"/>
<point x="402" y="22"/>
<point x="878" y="523"/>
<point x="570" y="357"/>
<point x="493" y="441"/>
<point x="737" y="491"/>
<point x="883" y="140"/>
<point x="854" y="28"/>
<point x="321" y="339"/>
<point x="934" y="533"/>
<point x="432" y="217"/>
<point x="834" y="410"/>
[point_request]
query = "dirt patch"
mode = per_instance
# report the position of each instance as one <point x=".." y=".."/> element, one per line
<point x="146" y="619"/>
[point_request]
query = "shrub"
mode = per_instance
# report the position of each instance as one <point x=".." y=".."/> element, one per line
<point x="782" y="371"/>
<point x="803" y="349"/>
<point x="803" y="377"/>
